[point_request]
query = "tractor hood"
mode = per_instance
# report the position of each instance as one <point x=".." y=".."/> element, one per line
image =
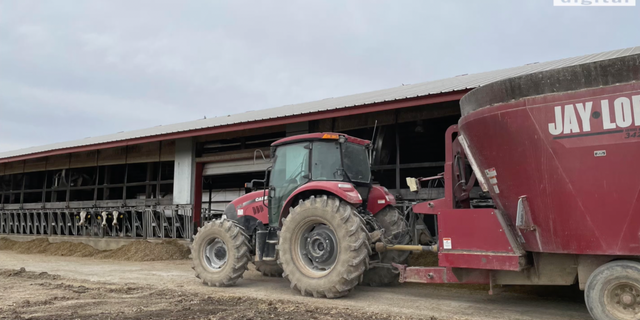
<point x="245" y="204"/>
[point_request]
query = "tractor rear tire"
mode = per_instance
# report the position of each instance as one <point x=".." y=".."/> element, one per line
<point x="220" y="253"/>
<point x="268" y="268"/>
<point x="323" y="248"/>
<point x="395" y="229"/>
<point x="613" y="291"/>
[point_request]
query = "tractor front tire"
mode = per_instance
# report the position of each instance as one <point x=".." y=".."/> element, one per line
<point x="397" y="231"/>
<point x="323" y="248"/>
<point x="268" y="268"/>
<point x="220" y="253"/>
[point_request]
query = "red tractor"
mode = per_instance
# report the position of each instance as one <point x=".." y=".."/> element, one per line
<point x="314" y="223"/>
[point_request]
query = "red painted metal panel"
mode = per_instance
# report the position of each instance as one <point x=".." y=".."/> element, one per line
<point x="575" y="156"/>
<point x="197" y="202"/>
<point x="432" y="206"/>
<point x="480" y="260"/>
<point x="390" y="105"/>
<point x="435" y="206"/>
<point x="472" y="230"/>
<point x="429" y="275"/>
<point x="379" y="198"/>
<point x="348" y="194"/>
<point x="442" y="275"/>
<point x="253" y="204"/>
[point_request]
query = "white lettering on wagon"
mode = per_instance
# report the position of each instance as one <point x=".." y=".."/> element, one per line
<point x="576" y="118"/>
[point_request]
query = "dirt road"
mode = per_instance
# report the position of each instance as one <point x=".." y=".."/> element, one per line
<point x="84" y="288"/>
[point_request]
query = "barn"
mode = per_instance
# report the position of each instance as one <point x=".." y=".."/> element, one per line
<point x="165" y="181"/>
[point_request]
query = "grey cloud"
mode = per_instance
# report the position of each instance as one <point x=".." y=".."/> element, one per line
<point x="71" y="69"/>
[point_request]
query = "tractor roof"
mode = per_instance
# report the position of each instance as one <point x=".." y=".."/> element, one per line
<point x="319" y="136"/>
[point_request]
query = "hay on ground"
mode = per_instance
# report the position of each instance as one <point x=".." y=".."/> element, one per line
<point x="139" y="250"/>
<point x="148" y="251"/>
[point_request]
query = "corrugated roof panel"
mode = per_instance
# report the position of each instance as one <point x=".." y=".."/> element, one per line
<point x="403" y="92"/>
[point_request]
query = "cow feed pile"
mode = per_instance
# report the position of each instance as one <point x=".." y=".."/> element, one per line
<point x="139" y="250"/>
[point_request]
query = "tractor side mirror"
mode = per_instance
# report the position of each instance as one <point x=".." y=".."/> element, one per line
<point x="251" y="186"/>
<point x="414" y="184"/>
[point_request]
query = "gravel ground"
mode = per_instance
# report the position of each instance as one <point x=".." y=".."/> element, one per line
<point x="54" y="287"/>
<point x="40" y="295"/>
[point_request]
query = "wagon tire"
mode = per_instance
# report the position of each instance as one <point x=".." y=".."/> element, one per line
<point x="396" y="230"/>
<point x="612" y="291"/>
<point x="323" y="248"/>
<point x="220" y="253"/>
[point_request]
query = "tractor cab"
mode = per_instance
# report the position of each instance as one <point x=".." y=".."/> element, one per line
<point x="326" y="159"/>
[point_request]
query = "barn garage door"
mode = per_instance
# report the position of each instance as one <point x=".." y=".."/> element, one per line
<point x="217" y="176"/>
<point x="240" y="166"/>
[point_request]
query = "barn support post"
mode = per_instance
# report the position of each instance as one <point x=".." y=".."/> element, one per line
<point x="397" y="156"/>
<point x="184" y="172"/>
<point x="210" y="199"/>
<point x="187" y="181"/>
<point x="197" y="204"/>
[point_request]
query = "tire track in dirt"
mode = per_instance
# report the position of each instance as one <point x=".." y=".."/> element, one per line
<point x="42" y="296"/>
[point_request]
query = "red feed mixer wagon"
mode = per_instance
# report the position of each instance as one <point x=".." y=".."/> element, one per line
<point x="558" y="151"/>
<point x="556" y="154"/>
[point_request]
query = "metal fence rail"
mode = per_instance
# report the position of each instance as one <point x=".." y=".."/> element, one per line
<point x="155" y="222"/>
<point x="208" y="215"/>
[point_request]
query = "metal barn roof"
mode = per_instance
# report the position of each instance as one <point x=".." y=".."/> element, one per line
<point x="458" y="83"/>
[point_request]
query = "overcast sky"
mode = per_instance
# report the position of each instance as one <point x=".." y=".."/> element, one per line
<point x="73" y="69"/>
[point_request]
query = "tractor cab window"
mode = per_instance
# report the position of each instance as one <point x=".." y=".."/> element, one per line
<point x="290" y="170"/>
<point x="356" y="162"/>
<point x="291" y="164"/>
<point x="325" y="161"/>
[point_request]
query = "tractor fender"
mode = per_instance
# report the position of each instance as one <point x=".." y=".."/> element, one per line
<point x="379" y="198"/>
<point x="343" y="190"/>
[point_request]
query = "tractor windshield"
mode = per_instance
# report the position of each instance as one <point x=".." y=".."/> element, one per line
<point x="325" y="161"/>
<point x="356" y="162"/>
<point x="329" y="164"/>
